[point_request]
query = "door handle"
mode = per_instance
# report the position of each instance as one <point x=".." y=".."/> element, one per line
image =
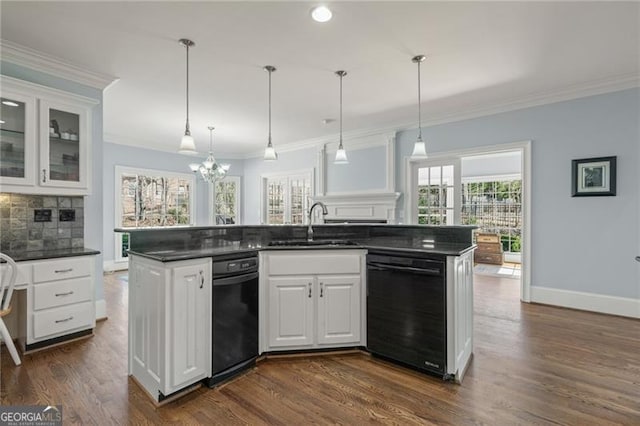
<point x="201" y="279"/>
<point x="44" y="175"/>
<point x="64" y="320"/>
<point x="62" y="271"/>
<point x="321" y="289"/>
<point x="309" y="289"/>
<point x="64" y="294"/>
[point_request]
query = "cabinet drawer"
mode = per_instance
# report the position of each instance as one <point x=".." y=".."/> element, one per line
<point x="60" y="293"/>
<point x="487" y="238"/>
<point x="61" y="269"/>
<point x="59" y="320"/>
<point x="310" y="263"/>
<point x="489" y="248"/>
<point x="492" y="258"/>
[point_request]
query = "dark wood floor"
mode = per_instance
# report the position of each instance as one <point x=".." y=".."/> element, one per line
<point x="533" y="365"/>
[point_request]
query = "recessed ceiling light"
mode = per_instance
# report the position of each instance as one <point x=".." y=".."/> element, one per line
<point x="9" y="103"/>
<point x="321" y="14"/>
<point x="1" y="121"/>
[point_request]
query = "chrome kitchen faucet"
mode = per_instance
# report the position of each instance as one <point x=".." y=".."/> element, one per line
<point x="324" y="213"/>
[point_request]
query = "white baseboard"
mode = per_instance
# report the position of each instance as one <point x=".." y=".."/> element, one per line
<point x="101" y="309"/>
<point x="623" y="306"/>
<point x="111" y="265"/>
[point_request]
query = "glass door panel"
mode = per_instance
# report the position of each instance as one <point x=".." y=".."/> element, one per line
<point x="12" y="138"/>
<point x="437" y="195"/>
<point x="64" y="146"/>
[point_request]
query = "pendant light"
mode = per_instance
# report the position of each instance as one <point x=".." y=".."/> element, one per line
<point x="269" y="152"/>
<point x="341" y="154"/>
<point x="187" y="144"/>
<point x="419" y="148"/>
<point x="210" y="170"/>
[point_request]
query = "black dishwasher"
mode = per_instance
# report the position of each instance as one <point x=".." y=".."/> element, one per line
<point x="235" y="317"/>
<point x="406" y="311"/>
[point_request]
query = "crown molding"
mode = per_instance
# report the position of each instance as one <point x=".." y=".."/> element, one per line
<point x="39" y="61"/>
<point x="147" y="144"/>
<point x="39" y="91"/>
<point x="355" y="139"/>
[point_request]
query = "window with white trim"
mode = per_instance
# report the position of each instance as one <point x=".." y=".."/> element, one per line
<point x="226" y="201"/>
<point x="151" y="198"/>
<point x="286" y="197"/>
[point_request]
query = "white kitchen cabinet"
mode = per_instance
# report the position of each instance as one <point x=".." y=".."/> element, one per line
<point x="46" y="140"/>
<point x="312" y="299"/>
<point x="169" y="323"/>
<point x="190" y="332"/>
<point x="55" y="300"/>
<point x="291" y="316"/>
<point x="459" y="313"/>
<point x="339" y="309"/>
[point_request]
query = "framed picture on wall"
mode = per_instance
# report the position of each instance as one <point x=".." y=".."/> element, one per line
<point x="592" y="177"/>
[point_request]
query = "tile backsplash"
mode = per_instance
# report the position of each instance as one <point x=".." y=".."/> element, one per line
<point x="20" y="231"/>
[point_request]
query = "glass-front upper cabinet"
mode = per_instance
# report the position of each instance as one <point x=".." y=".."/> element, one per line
<point x="17" y="139"/>
<point x="63" y="145"/>
<point x="45" y="139"/>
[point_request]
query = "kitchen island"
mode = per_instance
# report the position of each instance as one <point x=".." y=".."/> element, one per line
<point x="311" y="296"/>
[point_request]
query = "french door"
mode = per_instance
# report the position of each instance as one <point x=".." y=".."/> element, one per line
<point x="435" y="192"/>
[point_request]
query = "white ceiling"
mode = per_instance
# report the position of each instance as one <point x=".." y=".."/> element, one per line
<point x="479" y="54"/>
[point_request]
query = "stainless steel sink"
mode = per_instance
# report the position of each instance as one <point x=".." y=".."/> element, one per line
<point x="314" y="243"/>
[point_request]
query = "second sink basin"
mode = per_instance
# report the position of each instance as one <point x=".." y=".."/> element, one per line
<point x="314" y="243"/>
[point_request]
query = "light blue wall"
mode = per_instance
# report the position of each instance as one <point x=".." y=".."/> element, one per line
<point x="122" y="155"/>
<point x="92" y="203"/>
<point x="367" y="170"/>
<point x="583" y="244"/>
<point x="254" y="168"/>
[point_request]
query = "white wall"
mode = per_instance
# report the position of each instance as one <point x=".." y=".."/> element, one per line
<point x="477" y="166"/>
<point x="366" y="170"/>
<point x="584" y="244"/>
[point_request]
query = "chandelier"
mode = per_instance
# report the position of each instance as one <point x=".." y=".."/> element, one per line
<point x="209" y="169"/>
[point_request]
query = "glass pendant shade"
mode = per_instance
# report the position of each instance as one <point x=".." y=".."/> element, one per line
<point x="187" y="145"/>
<point x="341" y="156"/>
<point x="419" y="149"/>
<point x="270" y="153"/>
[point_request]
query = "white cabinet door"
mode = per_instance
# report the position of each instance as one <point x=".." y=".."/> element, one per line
<point x="291" y="315"/>
<point x="146" y="323"/>
<point x="338" y="309"/>
<point x="459" y="314"/>
<point x="189" y="305"/>
<point x="17" y="138"/>
<point x="65" y="145"/>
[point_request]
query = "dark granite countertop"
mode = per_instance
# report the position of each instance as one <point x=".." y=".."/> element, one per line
<point x="394" y="244"/>
<point x="20" y="256"/>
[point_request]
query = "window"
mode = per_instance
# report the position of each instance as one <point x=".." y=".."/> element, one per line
<point x="495" y="206"/>
<point x="435" y="198"/>
<point x="146" y="198"/>
<point x="286" y="197"/>
<point x="226" y="201"/>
